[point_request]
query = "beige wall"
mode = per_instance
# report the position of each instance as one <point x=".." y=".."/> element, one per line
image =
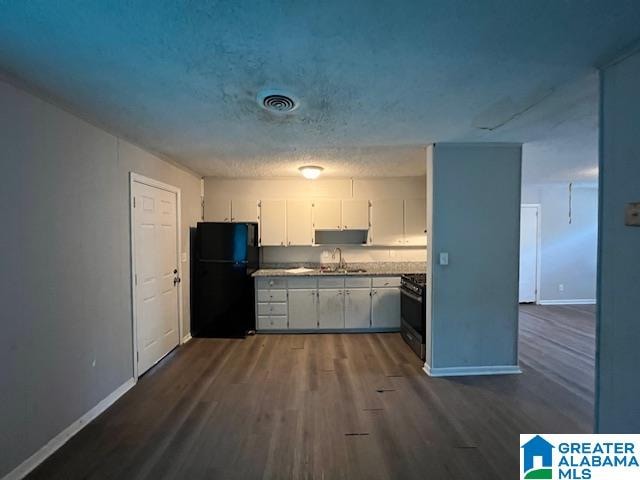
<point x="65" y="288"/>
<point x="217" y="189"/>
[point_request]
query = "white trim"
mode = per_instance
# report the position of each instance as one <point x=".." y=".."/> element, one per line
<point x="538" y="208"/>
<point x="465" y="371"/>
<point x="569" y="301"/>
<point x="186" y="338"/>
<point x="135" y="177"/>
<point x="65" y="435"/>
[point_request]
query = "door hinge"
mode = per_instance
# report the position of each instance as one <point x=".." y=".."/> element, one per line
<point x="134" y="202"/>
<point x="138" y="357"/>
<point x="135" y="276"/>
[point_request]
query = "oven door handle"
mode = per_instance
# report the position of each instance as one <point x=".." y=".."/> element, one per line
<point x="411" y="295"/>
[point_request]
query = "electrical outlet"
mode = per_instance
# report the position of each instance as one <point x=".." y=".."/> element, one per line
<point x="561" y="287"/>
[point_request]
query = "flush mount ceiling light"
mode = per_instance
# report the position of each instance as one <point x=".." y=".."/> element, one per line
<point x="277" y="101"/>
<point x="311" y="171"/>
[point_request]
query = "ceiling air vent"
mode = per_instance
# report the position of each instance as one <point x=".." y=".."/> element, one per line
<point x="277" y="102"/>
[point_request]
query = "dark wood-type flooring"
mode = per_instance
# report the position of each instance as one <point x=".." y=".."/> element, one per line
<point x="349" y="406"/>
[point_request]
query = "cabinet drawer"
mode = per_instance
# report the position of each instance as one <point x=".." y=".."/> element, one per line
<point x="307" y="282"/>
<point x="271" y="282"/>
<point x="272" y="295"/>
<point x="331" y="282"/>
<point x="276" y="322"/>
<point x="386" y="281"/>
<point x="357" y="282"/>
<point x="272" y="309"/>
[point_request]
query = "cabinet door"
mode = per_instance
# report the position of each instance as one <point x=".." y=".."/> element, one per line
<point x="385" y="307"/>
<point x="415" y="221"/>
<point x="326" y="214"/>
<point x="387" y="222"/>
<point x="330" y="308"/>
<point x="217" y="210"/>
<point x="357" y="308"/>
<point x="299" y="230"/>
<point x="273" y="221"/>
<point x="244" y="210"/>
<point x="355" y="214"/>
<point x="303" y="311"/>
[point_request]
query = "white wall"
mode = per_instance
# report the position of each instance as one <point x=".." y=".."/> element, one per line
<point x="473" y="313"/>
<point x="216" y="189"/>
<point x="65" y="287"/>
<point x="568" y="251"/>
<point x="618" y="352"/>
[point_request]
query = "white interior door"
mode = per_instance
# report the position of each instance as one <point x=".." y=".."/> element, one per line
<point x="155" y="273"/>
<point x="528" y="253"/>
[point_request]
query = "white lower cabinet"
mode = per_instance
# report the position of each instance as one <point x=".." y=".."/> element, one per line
<point x="303" y="310"/>
<point x="357" y="307"/>
<point x="330" y="308"/>
<point x="272" y="322"/>
<point x="328" y="303"/>
<point x="385" y="307"/>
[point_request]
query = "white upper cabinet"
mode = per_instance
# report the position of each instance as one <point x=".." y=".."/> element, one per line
<point x="327" y="214"/>
<point x="415" y="221"/>
<point x="299" y="229"/>
<point x="355" y="214"/>
<point x="244" y="210"/>
<point x="217" y="210"/>
<point x="387" y="222"/>
<point x="273" y="222"/>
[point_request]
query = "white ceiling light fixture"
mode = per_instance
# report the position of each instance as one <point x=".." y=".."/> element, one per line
<point x="310" y="172"/>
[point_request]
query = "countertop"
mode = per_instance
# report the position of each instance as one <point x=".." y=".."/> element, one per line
<point x="371" y="269"/>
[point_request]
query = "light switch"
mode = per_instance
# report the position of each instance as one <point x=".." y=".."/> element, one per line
<point x="632" y="215"/>
<point x="444" y="258"/>
<point x="184" y="257"/>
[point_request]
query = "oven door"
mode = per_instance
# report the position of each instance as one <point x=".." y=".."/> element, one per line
<point x="412" y="310"/>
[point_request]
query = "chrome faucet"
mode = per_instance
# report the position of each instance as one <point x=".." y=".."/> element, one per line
<point x="341" y="263"/>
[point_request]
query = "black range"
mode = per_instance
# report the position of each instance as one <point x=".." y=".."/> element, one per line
<point x="413" y="312"/>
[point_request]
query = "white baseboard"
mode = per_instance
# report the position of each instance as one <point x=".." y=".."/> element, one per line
<point x="186" y="338"/>
<point x="59" y="440"/>
<point x="466" y="371"/>
<point x="570" y="301"/>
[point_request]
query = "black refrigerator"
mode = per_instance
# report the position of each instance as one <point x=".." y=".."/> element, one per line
<point x="226" y="254"/>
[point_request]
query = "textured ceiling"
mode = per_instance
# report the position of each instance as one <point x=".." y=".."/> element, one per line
<point x="375" y="80"/>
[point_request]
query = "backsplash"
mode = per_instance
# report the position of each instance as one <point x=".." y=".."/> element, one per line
<point x="350" y="254"/>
